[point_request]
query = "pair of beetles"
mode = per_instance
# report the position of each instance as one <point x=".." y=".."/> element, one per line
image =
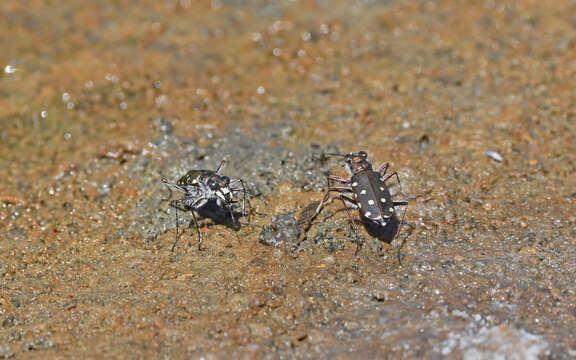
<point x="366" y="191"/>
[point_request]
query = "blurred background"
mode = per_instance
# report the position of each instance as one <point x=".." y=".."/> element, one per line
<point x="472" y="102"/>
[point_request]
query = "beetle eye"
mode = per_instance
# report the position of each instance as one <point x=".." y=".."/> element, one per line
<point x="363" y="154"/>
<point x="226" y="180"/>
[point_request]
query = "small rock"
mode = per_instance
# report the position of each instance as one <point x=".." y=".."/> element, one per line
<point x="70" y="305"/>
<point x="163" y="125"/>
<point x="494" y="155"/>
<point x="5" y="351"/>
<point x="571" y="196"/>
<point x="283" y="230"/>
<point x="41" y="343"/>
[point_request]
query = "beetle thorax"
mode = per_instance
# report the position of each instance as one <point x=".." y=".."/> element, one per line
<point x="357" y="165"/>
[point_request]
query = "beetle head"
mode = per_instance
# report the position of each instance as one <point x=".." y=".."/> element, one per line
<point x="356" y="162"/>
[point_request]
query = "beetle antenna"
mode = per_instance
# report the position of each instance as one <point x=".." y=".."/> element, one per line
<point x="334" y="154"/>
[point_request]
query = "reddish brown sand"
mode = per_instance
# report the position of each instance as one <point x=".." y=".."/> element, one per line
<point x="100" y="100"/>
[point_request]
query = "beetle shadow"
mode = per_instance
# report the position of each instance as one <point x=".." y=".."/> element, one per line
<point x="220" y="215"/>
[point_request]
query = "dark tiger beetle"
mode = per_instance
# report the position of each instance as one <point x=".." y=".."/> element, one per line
<point x="202" y="186"/>
<point x="366" y="191"/>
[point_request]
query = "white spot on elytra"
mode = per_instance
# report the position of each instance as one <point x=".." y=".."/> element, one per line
<point x="363" y="192"/>
<point x="354" y="184"/>
<point x="383" y="200"/>
<point x="359" y="206"/>
<point x="367" y="213"/>
<point x="391" y="209"/>
<point x="381" y="188"/>
<point x="371" y="202"/>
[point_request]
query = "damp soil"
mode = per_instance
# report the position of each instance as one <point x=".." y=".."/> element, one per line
<point x="472" y="103"/>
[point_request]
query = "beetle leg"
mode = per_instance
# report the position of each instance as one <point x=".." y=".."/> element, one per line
<point x="245" y="199"/>
<point x="179" y="205"/>
<point x="326" y="195"/>
<point x="228" y="205"/>
<point x="382" y="168"/>
<point x="175" y="240"/>
<point x="221" y="167"/>
<point x="349" y="203"/>
<point x="241" y="188"/>
<point x="339" y="179"/>
<point x="231" y="212"/>
<point x="401" y="203"/>
<point x="200" y="238"/>
<point x="397" y="178"/>
<point x="331" y="188"/>
<point x="341" y="189"/>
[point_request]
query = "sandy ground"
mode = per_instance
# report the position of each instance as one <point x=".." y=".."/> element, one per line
<point x="472" y="102"/>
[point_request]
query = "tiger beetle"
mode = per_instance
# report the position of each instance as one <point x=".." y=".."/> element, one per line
<point x="366" y="191"/>
<point x="202" y="186"/>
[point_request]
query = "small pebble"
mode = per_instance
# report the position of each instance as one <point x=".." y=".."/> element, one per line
<point x="494" y="155"/>
<point x="5" y="351"/>
<point x="9" y="69"/>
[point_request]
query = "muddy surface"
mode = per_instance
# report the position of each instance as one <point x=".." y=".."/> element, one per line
<point x="473" y="104"/>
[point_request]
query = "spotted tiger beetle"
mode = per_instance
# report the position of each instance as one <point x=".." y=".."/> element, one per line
<point x="366" y="191"/>
<point x="202" y="186"/>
